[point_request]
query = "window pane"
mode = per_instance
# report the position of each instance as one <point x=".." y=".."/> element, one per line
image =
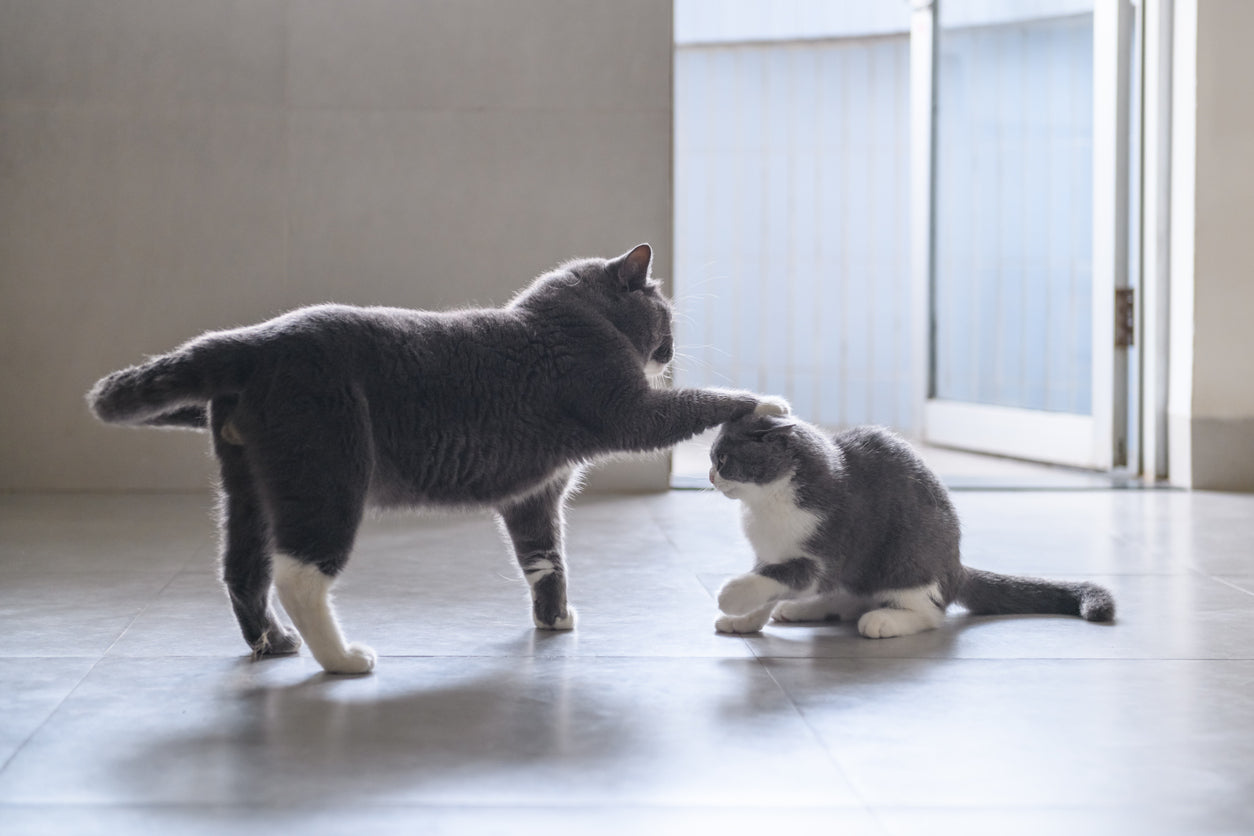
<point x="1013" y="275"/>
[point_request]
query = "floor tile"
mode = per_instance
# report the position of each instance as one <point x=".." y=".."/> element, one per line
<point x="468" y="731"/>
<point x="1147" y="819"/>
<point x="30" y="692"/>
<point x="128" y="702"/>
<point x="1020" y="733"/>
<point x="76" y="570"/>
<point x="431" y="820"/>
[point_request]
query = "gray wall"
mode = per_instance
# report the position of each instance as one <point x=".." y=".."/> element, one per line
<point x="171" y="166"/>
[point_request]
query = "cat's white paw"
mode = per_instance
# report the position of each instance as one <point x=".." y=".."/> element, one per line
<point x="740" y="624"/>
<point x="747" y="593"/>
<point x="880" y="624"/>
<point x="887" y="623"/>
<point x="772" y="405"/>
<point x="567" y="623"/>
<point x="357" y="659"/>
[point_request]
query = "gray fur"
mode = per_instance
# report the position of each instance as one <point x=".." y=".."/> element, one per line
<point x="886" y="521"/>
<point x="326" y="409"/>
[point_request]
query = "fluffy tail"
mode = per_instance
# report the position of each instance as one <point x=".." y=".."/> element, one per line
<point x="988" y="593"/>
<point x="168" y="391"/>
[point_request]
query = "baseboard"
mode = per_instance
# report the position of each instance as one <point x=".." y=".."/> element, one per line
<point x="1215" y="454"/>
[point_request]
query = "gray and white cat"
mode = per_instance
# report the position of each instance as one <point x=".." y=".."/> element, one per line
<point x="324" y="410"/>
<point x="857" y="527"/>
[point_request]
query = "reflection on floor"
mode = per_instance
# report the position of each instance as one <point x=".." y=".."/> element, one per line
<point x="129" y="705"/>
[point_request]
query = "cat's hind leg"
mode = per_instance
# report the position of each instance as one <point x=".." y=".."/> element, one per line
<point x="903" y="612"/>
<point x="535" y="525"/>
<point x="245" y="566"/>
<point x="305" y="590"/>
<point x="313" y="464"/>
<point x="832" y="606"/>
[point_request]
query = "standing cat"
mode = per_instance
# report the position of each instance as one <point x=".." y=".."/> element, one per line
<point x="857" y="527"/>
<point x="326" y="409"/>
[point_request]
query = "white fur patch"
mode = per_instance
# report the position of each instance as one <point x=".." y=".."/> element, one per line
<point x="538" y="569"/>
<point x="305" y="593"/>
<point x="772" y="405"/>
<point x="654" y="369"/>
<point x="910" y="611"/>
<point x="777" y="529"/>
<point x="747" y="593"/>
<point x="747" y="623"/>
<point x="567" y="623"/>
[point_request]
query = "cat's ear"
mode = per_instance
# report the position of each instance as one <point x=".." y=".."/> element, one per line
<point x="777" y="430"/>
<point x="633" y="268"/>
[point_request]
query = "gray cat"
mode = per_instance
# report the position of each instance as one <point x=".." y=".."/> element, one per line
<point x="324" y="410"/>
<point x="857" y="527"/>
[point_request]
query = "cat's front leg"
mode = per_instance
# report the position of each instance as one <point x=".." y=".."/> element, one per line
<point x="668" y="416"/>
<point x="749" y="599"/>
<point x="535" y="525"/>
<point x="752" y="622"/>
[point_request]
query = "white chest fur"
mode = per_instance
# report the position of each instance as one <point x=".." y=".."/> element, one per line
<point x="775" y="526"/>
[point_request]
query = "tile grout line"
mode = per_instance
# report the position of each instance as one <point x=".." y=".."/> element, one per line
<point x="18" y="750"/>
<point x="1228" y="583"/>
<point x="827" y="752"/>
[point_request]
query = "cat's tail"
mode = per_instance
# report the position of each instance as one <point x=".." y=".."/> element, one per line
<point x="171" y="390"/>
<point x="988" y="593"/>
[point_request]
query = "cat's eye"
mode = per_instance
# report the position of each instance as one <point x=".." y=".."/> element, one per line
<point x="721" y="459"/>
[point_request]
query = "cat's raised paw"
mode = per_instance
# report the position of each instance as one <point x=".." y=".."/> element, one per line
<point x="740" y="624"/>
<point x="772" y="405"/>
<point x="747" y="593"/>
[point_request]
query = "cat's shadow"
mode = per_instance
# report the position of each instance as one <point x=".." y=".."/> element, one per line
<point x="840" y="640"/>
<point x="429" y="729"/>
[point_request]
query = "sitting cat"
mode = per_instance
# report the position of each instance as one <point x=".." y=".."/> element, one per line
<point x="857" y="527"/>
<point x="326" y="409"/>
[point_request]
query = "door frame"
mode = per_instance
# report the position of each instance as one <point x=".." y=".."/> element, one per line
<point x="1098" y="440"/>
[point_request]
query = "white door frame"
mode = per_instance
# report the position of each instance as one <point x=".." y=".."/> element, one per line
<point x="1089" y="441"/>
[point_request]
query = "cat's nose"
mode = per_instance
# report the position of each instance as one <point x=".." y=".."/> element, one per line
<point x="713" y="476"/>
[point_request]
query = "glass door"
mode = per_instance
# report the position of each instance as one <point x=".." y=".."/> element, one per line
<point x="1029" y="228"/>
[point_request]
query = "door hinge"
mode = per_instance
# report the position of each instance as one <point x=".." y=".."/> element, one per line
<point x="1125" y="317"/>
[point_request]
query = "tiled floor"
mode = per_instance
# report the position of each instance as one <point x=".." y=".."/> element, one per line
<point x="127" y="704"/>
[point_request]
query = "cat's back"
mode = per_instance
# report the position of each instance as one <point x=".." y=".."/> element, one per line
<point x="880" y="464"/>
<point x="384" y="338"/>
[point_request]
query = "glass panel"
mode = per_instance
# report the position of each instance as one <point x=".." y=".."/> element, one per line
<point x="792" y="268"/>
<point x="1013" y="270"/>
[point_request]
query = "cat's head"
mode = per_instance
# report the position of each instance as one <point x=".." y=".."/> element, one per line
<point x="752" y="453"/>
<point x="620" y="289"/>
